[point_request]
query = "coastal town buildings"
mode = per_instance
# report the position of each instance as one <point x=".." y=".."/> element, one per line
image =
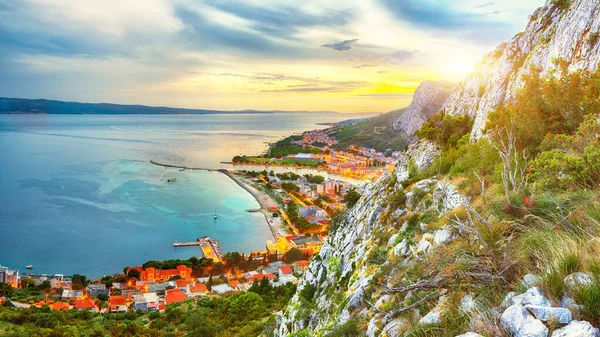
<point x="147" y="301"/>
<point x="117" y="304"/>
<point x="9" y="276"/>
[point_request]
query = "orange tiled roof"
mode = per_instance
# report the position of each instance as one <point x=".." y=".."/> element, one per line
<point x="183" y="283"/>
<point x="285" y="270"/>
<point x="234" y="284"/>
<point x="117" y="300"/>
<point x="302" y="263"/>
<point x="61" y="306"/>
<point x="199" y="288"/>
<point x="270" y="276"/>
<point x="85" y="304"/>
<point x="175" y="296"/>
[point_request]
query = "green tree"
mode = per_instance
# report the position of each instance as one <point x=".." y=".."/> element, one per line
<point x="247" y="305"/>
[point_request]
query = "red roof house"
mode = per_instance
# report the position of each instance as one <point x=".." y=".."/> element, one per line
<point x="60" y="306"/>
<point x="199" y="288"/>
<point x="184" y="283"/>
<point x="117" y="304"/>
<point x="175" y="296"/>
<point x="285" y="270"/>
<point x="85" y="304"/>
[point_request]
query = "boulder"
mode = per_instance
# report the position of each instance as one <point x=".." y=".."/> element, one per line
<point x="424" y="246"/>
<point x="575" y="280"/>
<point x="517" y="321"/>
<point x="547" y="314"/>
<point x="402" y="249"/>
<point x="531" y="280"/>
<point x="533" y="296"/>
<point x="432" y="317"/>
<point x="442" y="236"/>
<point x="395" y="328"/>
<point x="569" y="303"/>
<point x="467" y="304"/>
<point x="577" y="329"/>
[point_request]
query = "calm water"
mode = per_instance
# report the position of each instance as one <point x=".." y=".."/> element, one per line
<point x="78" y="194"/>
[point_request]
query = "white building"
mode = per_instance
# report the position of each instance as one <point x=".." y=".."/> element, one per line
<point x="9" y="276"/>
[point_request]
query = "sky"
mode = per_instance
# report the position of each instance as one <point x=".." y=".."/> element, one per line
<point x="339" y="55"/>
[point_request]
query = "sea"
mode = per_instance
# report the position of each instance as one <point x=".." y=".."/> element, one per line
<point x="78" y="193"/>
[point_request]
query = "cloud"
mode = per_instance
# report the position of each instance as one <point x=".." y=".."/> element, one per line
<point x="487" y="4"/>
<point x="365" y="66"/>
<point x="441" y="17"/>
<point x="312" y="89"/>
<point x="400" y="56"/>
<point x="341" y="46"/>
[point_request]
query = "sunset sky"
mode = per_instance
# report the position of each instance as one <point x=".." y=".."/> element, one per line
<point x="347" y="56"/>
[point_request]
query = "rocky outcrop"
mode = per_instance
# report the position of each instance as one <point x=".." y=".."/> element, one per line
<point x="554" y="32"/>
<point x="427" y="100"/>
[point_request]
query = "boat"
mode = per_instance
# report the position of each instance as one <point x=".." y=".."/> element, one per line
<point x="29" y="267"/>
<point x="215" y="216"/>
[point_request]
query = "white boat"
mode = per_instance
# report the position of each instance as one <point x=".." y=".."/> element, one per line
<point x="29" y="267"/>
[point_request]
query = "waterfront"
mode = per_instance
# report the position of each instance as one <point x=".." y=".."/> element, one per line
<point x="80" y="195"/>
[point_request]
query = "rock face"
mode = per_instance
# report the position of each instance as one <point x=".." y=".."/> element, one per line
<point x="427" y="100"/>
<point x="553" y="32"/>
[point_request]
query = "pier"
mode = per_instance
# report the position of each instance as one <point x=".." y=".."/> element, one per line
<point x="210" y="247"/>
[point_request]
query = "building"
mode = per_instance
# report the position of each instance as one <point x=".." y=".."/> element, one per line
<point x="199" y="289"/>
<point x="69" y="295"/>
<point x="158" y="275"/>
<point x="300" y="266"/>
<point x="304" y="157"/>
<point x="175" y="296"/>
<point x="9" y="276"/>
<point x="130" y="294"/>
<point x="117" y="304"/>
<point x="221" y="288"/>
<point x="147" y="301"/>
<point x="158" y="288"/>
<point x="182" y="284"/>
<point x="86" y="305"/>
<point x="285" y="270"/>
<point x="95" y="289"/>
<point x="311" y="210"/>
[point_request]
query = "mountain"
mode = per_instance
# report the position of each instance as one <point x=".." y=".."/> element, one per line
<point x="558" y="30"/>
<point x="44" y="106"/>
<point x="475" y="238"/>
<point x="394" y="130"/>
<point x="427" y="100"/>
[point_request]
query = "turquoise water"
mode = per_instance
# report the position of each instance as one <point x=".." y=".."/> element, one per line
<point x="80" y="196"/>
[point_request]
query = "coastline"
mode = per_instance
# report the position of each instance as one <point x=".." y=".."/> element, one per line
<point x="265" y="202"/>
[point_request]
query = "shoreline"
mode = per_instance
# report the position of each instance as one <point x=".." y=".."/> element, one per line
<point x="264" y="201"/>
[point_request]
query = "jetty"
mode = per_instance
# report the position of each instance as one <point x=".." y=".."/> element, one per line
<point x="181" y="166"/>
<point x="210" y="247"/>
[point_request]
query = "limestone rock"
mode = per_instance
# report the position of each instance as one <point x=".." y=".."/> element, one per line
<point x="547" y="314"/>
<point x="552" y="33"/>
<point x="517" y="321"/>
<point x="442" y="236"/>
<point x="531" y="280"/>
<point x="427" y="101"/>
<point x="395" y="328"/>
<point x="577" y="329"/>
<point x="432" y="317"/>
<point x="402" y="249"/>
<point x="469" y="334"/>
<point x="575" y="280"/>
<point x="533" y="296"/>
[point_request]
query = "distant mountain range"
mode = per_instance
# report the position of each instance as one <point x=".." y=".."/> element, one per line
<point x="44" y="106"/>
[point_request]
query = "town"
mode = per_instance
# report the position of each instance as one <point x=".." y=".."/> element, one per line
<point x="317" y="150"/>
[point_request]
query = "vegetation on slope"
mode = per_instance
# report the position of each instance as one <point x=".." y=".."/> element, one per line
<point x="236" y="314"/>
<point x="534" y="185"/>
<point x="376" y="132"/>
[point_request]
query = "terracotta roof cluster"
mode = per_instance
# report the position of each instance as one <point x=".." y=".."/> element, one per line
<point x="117" y="300"/>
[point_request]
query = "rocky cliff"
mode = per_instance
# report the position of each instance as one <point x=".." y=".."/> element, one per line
<point x="427" y="100"/>
<point x="395" y="227"/>
<point x="558" y="30"/>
